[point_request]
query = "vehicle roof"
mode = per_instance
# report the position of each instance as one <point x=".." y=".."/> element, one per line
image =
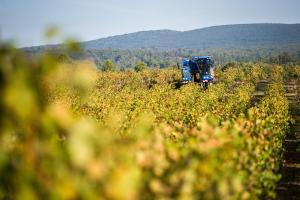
<point x="197" y="57"/>
<point x="200" y="57"/>
<point x="186" y="61"/>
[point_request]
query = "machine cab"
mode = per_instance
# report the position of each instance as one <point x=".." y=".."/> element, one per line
<point x="204" y="66"/>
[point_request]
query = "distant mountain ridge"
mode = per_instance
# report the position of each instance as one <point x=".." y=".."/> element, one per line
<point x="224" y="36"/>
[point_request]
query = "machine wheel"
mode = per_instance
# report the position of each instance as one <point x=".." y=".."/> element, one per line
<point x="205" y="86"/>
<point x="192" y="78"/>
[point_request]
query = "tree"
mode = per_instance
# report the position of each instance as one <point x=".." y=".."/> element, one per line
<point x="99" y="64"/>
<point x="122" y="69"/>
<point x="109" y="66"/>
<point x="140" y="66"/>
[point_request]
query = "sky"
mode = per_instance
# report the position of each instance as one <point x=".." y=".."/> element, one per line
<point x="25" y="21"/>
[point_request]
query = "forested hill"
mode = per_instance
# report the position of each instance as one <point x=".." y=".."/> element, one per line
<point x="226" y="36"/>
<point x="276" y="43"/>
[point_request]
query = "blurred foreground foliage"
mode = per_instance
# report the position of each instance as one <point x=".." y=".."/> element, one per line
<point x="68" y="131"/>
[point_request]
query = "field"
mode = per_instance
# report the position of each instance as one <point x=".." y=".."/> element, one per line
<point x="68" y="131"/>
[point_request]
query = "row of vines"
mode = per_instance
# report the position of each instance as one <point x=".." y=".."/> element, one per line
<point x="68" y="131"/>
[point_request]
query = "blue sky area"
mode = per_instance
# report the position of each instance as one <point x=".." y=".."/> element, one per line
<point x="25" y="21"/>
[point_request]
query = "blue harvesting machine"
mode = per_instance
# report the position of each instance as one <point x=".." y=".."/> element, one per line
<point x="198" y="69"/>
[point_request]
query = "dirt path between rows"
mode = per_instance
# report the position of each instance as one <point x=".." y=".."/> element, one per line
<point x="289" y="186"/>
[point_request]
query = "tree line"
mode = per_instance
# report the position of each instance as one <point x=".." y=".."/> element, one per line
<point x="139" y="59"/>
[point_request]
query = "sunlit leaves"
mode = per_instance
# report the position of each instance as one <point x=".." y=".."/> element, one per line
<point x="71" y="132"/>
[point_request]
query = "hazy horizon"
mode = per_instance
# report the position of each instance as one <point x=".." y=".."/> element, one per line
<point x="138" y="31"/>
<point x="25" y="22"/>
